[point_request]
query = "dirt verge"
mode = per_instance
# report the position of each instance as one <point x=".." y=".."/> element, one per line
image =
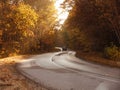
<point x="11" y="79"/>
<point x="97" y="58"/>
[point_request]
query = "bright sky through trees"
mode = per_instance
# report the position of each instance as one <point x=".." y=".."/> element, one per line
<point x="62" y="14"/>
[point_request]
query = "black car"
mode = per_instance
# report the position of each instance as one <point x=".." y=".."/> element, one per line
<point x="64" y="48"/>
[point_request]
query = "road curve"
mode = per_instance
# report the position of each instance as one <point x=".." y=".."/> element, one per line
<point x="63" y="71"/>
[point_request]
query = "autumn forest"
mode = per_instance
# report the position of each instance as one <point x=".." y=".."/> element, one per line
<point x="32" y="27"/>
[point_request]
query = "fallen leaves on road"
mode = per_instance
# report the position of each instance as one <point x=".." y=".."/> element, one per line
<point x="11" y="79"/>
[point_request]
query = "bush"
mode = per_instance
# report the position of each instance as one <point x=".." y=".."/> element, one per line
<point x="112" y="52"/>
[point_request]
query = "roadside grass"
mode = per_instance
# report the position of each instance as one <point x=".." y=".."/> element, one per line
<point x="98" y="58"/>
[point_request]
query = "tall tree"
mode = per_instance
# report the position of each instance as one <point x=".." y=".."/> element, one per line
<point x="89" y="17"/>
<point x="17" y="21"/>
<point x="46" y="22"/>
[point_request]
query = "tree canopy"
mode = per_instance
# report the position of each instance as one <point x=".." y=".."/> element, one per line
<point x="92" y="25"/>
<point x="16" y="23"/>
<point x="27" y="26"/>
<point x="96" y="20"/>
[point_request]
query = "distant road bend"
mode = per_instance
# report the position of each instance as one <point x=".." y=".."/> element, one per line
<point x="63" y="71"/>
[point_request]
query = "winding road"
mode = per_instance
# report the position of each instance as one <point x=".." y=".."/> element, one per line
<point x="64" y="71"/>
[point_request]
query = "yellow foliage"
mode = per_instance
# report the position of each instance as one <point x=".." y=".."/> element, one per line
<point x="112" y="52"/>
<point x="8" y="25"/>
<point x="25" y="17"/>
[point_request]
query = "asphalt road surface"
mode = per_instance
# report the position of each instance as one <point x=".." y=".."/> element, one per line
<point x="63" y="71"/>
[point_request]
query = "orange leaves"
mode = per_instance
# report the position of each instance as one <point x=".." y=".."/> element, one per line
<point x="5" y="74"/>
<point x="25" y="16"/>
<point x="28" y="33"/>
<point x="49" y="37"/>
<point x="11" y="79"/>
<point x="18" y="21"/>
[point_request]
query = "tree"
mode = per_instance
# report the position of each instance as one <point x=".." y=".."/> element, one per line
<point x="87" y="16"/>
<point x="110" y="13"/>
<point x="17" y="21"/>
<point x="46" y="22"/>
